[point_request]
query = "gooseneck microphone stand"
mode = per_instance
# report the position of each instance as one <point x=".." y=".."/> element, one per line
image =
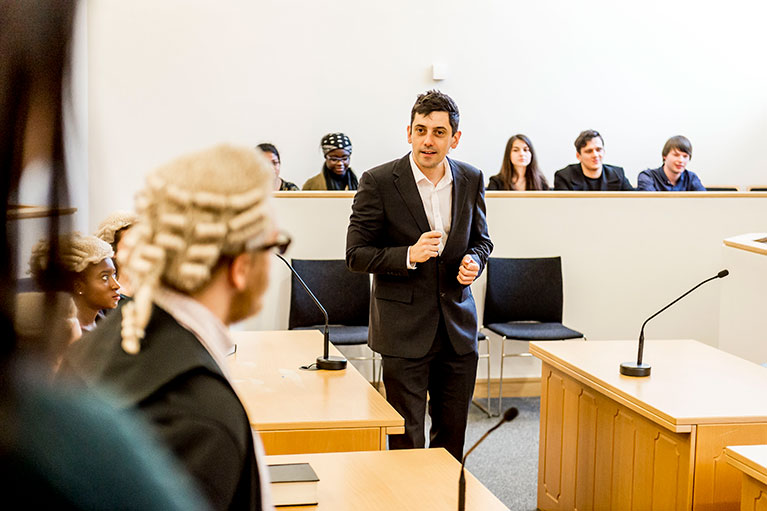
<point x="326" y="362"/>
<point x="641" y="369"/>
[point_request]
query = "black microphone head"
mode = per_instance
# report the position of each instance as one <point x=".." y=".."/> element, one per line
<point x="510" y="414"/>
<point x="722" y="274"/>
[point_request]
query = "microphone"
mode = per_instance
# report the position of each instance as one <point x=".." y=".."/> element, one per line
<point x="641" y="369"/>
<point x="508" y="416"/>
<point x="325" y="361"/>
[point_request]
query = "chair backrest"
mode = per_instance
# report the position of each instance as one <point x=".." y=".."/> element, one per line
<point x="723" y="188"/>
<point x="345" y="295"/>
<point x="523" y="290"/>
<point x="757" y="188"/>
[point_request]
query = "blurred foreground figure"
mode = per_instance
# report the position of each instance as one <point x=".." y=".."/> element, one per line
<point x="198" y="259"/>
<point x="59" y="448"/>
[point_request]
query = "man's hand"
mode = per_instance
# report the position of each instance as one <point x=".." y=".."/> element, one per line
<point x="426" y="247"/>
<point x="468" y="271"/>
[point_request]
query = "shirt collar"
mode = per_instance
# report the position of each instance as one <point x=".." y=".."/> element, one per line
<point x="199" y="320"/>
<point x="419" y="176"/>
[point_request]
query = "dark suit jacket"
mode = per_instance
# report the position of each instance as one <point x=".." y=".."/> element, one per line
<point x="388" y="217"/>
<point x="174" y="384"/>
<point x="571" y="178"/>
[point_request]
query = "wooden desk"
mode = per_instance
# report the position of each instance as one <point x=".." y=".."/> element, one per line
<point x="751" y="460"/>
<point x="610" y="441"/>
<point x="417" y="479"/>
<point x="299" y="411"/>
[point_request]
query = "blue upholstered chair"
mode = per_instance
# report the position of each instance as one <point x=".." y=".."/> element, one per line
<point x="523" y="302"/>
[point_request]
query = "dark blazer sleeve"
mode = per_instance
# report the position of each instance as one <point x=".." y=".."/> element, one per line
<point x="365" y="238"/>
<point x="201" y="436"/>
<point x="561" y="181"/>
<point x="495" y="183"/>
<point x="625" y="183"/>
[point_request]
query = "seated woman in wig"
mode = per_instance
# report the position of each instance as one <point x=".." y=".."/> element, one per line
<point x="336" y="171"/>
<point x="519" y="170"/>
<point x="90" y="274"/>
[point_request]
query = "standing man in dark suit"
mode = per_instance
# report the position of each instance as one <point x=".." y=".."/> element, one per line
<point x="418" y="225"/>
<point x="590" y="174"/>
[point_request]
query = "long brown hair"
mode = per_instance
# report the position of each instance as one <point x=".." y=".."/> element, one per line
<point x="534" y="179"/>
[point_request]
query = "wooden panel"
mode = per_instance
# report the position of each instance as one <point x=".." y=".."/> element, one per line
<point x="551" y="446"/>
<point x="665" y="398"/>
<point x="322" y="440"/>
<point x="585" y="450"/>
<point x="598" y="454"/>
<point x="753" y="495"/>
<point x="717" y="484"/>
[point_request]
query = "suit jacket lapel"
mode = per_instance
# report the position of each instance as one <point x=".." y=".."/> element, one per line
<point x="405" y="184"/>
<point x="460" y="190"/>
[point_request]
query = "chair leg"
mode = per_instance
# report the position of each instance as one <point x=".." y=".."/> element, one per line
<point x="476" y="402"/>
<point x="489" y="413"/>
<point x="500" y="381"/>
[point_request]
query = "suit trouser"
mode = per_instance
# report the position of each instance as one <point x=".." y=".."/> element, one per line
<point x="449" y="379"/>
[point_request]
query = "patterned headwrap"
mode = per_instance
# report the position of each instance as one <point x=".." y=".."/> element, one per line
<point x="333" y="141"/>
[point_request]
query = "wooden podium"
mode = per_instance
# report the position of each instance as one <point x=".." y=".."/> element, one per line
<point x="751" y="460"/>
<point x="743" y="308"/>
<point x="609" y="441"/>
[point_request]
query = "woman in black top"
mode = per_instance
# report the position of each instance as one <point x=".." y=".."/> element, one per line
<point x="520" y="168"/>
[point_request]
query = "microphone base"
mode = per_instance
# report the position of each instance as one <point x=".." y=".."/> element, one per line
<point x="331" y="363"/>
<point x="634" y="369"/>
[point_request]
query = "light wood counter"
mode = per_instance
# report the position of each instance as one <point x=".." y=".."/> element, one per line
<point x="752" y="461"/>
<point x="616" y="442"/>
<point x="752" y="242"/>
<point x="300" y="411"/>
<point x="417" y="479"/>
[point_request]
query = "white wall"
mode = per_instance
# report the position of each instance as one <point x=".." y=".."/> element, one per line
<point x="167" y="77"/>
<point x="624" y="258"/>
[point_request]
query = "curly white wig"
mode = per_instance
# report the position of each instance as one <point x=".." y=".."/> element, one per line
<point x="192" y="212"/>
<point x="113" y="223"/>
<point x="76" y="252"/>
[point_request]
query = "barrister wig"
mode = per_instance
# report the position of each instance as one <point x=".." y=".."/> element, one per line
<point x="193" y="212"/>
<point x="109" y="230"/>
<point x="75" y="253"/>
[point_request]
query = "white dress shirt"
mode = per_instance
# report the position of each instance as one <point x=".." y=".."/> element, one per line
<point x="437" y="202"/>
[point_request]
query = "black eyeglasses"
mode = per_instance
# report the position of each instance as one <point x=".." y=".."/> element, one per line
<point x="279" y="245"/>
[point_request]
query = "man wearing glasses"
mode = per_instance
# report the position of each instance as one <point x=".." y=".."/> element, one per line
<point x="418" y="225"/>
<point x="336" y="173"/>
<point x="199" y="259"/>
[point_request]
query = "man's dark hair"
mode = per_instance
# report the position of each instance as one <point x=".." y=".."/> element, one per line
<point x="435" y="101"/>
<point x="269" y="148"/>
<point x="680" y="143"/>
<point x="584" y="138"/>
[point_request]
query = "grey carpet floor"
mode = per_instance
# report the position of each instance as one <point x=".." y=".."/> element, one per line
<point x="507" y="461"/>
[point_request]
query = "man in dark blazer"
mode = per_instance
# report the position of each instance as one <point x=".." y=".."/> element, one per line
<point x="418" y="225"/>
<point x="590" y="174"/>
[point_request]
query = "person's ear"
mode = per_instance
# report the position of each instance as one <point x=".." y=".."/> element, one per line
<point x="578" y="155"/>
<point x="78" y="287"/>
<point x="239" y="269"/>
<point x="409" y="134"/>
<point x="456" y="138"/>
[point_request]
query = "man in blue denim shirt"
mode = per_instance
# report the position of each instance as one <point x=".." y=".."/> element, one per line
<point x="673" y="175"/>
